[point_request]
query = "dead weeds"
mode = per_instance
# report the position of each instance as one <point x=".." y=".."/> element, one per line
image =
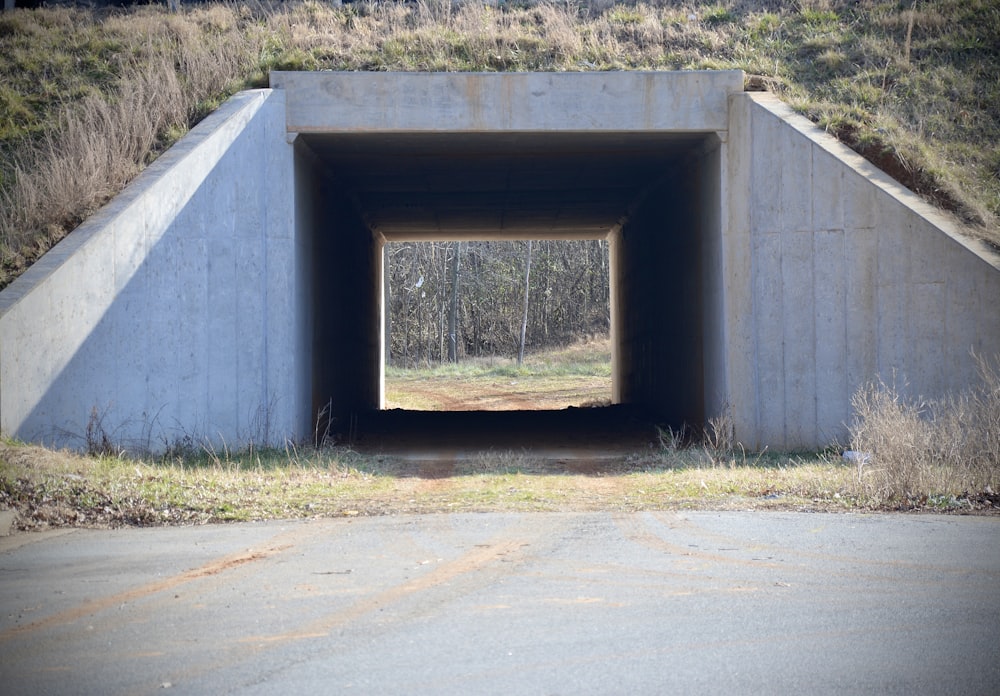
<point x="51" y="489"/>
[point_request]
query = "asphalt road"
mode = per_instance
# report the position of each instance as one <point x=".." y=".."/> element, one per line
<point x="589" y="603"/>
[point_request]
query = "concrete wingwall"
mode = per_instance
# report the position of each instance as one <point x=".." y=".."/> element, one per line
<point x="176" y="313"/>
<point x="836" y="276"/>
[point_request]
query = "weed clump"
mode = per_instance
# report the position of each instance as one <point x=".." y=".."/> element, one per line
<point x="919" y="453"/>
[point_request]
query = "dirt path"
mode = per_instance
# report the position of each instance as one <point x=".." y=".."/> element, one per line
<point x="551" y="410"/>
<point x="520" y="394"/>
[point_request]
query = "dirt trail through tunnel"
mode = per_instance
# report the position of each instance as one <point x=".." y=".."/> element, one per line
<point x="555" y="418"/>
<point x="583" y="440"/>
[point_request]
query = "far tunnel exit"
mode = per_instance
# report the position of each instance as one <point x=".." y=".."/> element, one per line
<point x="497" y="324"/>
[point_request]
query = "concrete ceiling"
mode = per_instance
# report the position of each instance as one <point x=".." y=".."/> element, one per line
<point x="498" y="185"/>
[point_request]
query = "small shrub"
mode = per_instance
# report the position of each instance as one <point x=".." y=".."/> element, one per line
<point x="765" y="26"/>
<point x="717" y="15"/>
<point x="913" y="451"/>
<point x="818" y="18"/>
<point x="621" y="14"/>
<point x="834" y="61"/>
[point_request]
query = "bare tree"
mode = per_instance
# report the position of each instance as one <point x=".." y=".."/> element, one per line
<point x="446" y="300"/>
<point x="524" y="315"/>
<point x="453" y="310"/>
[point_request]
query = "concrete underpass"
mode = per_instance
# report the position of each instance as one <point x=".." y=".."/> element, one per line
<point x="653" y="196"/>
<point x="760" y="270"/>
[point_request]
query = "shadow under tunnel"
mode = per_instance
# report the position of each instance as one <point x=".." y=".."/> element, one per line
<point x="570" y="434"/>
<point x="654" y="195"/>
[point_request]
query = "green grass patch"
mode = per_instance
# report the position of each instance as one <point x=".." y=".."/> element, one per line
<point x="550" y="379"/>
<point x="479" y="368"/>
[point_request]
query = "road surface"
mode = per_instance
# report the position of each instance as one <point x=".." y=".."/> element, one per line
<point x="556" y="603"/>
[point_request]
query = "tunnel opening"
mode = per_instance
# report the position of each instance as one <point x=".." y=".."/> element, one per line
<point x="497" y="325"/>
<point x="653" y="197"/>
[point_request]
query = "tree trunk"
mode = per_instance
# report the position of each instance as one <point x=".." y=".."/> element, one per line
<point x="453" y="311"/>
<point x="445" y="304"/>
<point x="524" y="314"/>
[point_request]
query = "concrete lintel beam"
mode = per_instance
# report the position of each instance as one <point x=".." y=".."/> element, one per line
<point x="684" y="101"/>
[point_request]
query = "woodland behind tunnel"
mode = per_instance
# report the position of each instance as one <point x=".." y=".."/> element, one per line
<point x="476" y="291"/>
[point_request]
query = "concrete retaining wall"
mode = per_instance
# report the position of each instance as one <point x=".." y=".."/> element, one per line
<point x="837" y="275"/>
<point x="174" y="313"/>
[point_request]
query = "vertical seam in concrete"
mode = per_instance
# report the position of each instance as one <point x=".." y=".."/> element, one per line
<point x="847" y="316"/>
<point x="736" y="272"/>
<point x="1" y="384"/>
<point x="812" y="271"/>
<point x="116" y="342"/>
<point x="727" y="332"/>
<point x="784" y="353"/>
<point x="747" y="132"/>
<point x="814" y="343"/>
<point x="877" y="302"/>
<point x="756" y="304"/>
<point x="264" y="323"/>
<point x="945" y="352"/>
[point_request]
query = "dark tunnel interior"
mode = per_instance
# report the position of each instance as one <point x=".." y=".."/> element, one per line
<point x="654" y="196"/>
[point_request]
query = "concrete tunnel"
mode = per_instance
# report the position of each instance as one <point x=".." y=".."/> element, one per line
<point x="760" y="270"/>
<point x="653" y="196"/>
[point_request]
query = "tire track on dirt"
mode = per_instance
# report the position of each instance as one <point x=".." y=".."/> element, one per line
<point x="482" y="395"/>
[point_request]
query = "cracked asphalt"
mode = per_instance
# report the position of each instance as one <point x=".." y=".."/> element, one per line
<point x="547" y="603"/>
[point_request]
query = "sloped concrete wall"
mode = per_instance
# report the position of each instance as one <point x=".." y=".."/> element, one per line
<point x="174" y="313"/>
<point x="836" y="275"/>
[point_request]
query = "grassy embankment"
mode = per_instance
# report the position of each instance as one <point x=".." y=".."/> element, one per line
<point x="89" y="97"/>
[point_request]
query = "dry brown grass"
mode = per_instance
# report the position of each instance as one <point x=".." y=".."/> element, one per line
<point x="98" y="149"/>
<point x="102" y="140"/>
<point x="53" y="489"/>
<point x="910" y="452"/>
<point x="915" y="88"/>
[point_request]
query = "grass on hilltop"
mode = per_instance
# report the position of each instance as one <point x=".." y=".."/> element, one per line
<point x="88" y="97"/>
